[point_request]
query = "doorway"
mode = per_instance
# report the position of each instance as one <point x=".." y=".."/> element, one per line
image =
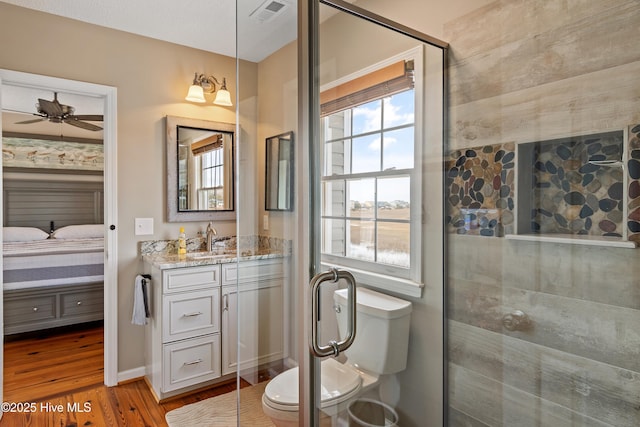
<point x="105" y="97"/>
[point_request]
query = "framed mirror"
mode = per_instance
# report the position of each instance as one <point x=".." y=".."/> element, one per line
<point x="279" y="173"/>
<point x="200" y="173"/>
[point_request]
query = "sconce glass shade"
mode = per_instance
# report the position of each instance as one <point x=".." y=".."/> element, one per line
<point x="196" y="94"/>
<point x="223" y="97"/>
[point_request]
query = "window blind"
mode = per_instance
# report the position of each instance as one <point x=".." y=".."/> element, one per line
<point x="386" y="81"/>
<point x="207" y="144"/>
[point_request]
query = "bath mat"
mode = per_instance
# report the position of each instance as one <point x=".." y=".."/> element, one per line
<point x="220" y="411"/>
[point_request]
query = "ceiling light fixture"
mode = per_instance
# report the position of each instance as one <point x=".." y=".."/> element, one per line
<point x="202" y="84"/>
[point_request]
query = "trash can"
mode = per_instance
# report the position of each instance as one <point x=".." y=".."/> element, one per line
<point x="365" y="412"/>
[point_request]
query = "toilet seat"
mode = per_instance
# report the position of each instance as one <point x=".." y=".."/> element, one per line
<point x="338" y="383"/>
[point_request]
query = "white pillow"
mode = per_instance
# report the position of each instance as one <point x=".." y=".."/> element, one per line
<point x="23" y="234"/>
<point x="84" y="231"/>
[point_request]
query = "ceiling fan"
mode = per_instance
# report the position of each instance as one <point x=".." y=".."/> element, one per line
<point x="60" y="113"/>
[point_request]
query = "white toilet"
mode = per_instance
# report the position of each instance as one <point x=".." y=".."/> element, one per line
<point x="380" y="348"/>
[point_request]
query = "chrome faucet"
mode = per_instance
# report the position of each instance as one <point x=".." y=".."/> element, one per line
<point x="210" y="233"/>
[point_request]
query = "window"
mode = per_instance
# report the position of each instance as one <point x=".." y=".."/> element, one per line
<point x="211" y="183"/>
<point x="369" y="178"/>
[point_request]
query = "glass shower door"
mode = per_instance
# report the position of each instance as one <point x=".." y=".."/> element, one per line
<point x="378" y="141"/>
<point x="361" y="175"/>
<point x="260" y="310"/>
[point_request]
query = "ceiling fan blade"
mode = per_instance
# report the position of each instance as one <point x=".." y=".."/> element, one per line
<point x="83" y="125"/>
<point x="50" y="108"/>
<point x="89" y="117"/>
<point x="26" y="122"/>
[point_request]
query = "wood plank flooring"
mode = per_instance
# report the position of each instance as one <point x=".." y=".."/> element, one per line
<point x="61" y="378"/>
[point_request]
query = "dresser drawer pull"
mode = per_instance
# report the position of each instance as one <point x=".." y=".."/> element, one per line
<point x="193" y="362"/>
<point x="194" y="314"/>
<point x="35" y="308"/>
<point x="79" y="303"/>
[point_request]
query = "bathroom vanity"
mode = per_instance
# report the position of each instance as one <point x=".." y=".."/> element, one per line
<point x="193" y="337"/>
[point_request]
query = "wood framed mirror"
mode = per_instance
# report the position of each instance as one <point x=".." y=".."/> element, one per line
<point x="200" y="170"/>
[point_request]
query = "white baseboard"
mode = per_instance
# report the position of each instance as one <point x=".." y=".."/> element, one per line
<point x="131" y="374"/>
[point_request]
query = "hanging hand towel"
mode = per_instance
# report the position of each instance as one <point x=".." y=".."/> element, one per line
<point x="139" y="313"/>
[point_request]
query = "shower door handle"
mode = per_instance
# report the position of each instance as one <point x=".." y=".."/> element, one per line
<point x="333" y="348"/>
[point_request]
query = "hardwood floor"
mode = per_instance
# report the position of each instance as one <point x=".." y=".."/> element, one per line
<point x="57" y="381"/>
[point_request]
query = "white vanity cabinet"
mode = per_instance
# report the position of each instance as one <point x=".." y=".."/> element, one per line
<point x="253" y="313"/>
<point x="183" y="333"/>
<point x="204" y="318"/>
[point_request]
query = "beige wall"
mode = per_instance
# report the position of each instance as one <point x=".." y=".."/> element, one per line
<point x="151" y="78"/>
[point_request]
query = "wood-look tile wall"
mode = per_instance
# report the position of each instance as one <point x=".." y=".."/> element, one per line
<point x="522" y="71"/>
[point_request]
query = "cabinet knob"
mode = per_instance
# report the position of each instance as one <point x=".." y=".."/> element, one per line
<point x="35" y="308"/>
<point x="79" y="303"/>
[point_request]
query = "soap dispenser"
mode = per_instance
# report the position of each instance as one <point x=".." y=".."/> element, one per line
<point x="182" y="243"/>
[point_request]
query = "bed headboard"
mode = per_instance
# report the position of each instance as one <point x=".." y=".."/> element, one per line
<point x="35" y="203"/>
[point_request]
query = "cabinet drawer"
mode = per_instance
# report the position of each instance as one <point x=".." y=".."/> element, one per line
<point x="81" y="303"/>
<point x="191" y="362"/>
<point x="32" y="309"/>
<point x="191" y="314"/>
<point x="251" y="271"/>
<point x="182" y="279"/>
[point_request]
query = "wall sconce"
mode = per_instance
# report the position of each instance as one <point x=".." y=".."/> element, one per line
<point x="202" y="83"/>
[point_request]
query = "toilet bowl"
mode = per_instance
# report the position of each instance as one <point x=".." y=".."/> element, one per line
<point x="340" y="383"/>
<point x="380" y="347"/>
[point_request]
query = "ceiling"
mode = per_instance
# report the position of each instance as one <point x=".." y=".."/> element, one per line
<point x="208" y="25"/>
<point x="202" y="24"/>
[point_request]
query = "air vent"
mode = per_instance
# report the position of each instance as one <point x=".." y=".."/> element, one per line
<point x="269" y="10"/>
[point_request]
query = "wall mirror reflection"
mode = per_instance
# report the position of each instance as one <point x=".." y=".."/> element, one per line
<point x="279" y="173"/>
<point x="200" y="171"/>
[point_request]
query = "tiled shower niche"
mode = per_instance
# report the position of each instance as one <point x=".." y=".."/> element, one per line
<point x="582" y="189"/>
<point x="572" y="186"/>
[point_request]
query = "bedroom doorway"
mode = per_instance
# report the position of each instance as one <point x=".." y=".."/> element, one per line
<point x="98" y="188"/>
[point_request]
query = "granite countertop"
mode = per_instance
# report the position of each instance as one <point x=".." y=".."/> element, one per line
<point x="165" y="261"/>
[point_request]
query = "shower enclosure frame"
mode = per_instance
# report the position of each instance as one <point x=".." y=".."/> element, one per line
<point x="308" y="244"/>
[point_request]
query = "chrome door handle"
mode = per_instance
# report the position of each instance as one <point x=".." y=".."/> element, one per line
<point x="333" y="348"/>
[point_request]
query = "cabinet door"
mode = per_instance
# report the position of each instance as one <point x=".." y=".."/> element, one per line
<point x="259" y="309"/>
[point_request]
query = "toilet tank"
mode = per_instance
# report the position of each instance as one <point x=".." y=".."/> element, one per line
<point x="382" y="330"/>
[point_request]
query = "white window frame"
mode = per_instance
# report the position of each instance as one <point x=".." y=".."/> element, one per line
<point x="202" y="190"/>
<point x="387" y="277"/>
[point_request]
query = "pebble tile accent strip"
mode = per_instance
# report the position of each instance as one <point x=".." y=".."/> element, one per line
<point x="633" y="166"/>
<point x="479" y="190"/>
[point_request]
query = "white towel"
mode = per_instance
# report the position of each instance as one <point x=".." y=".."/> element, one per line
<point x="139" y="316"/>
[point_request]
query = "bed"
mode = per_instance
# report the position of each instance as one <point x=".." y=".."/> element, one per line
<point x="52" y="279"/>
<point x="44" y="286"/>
